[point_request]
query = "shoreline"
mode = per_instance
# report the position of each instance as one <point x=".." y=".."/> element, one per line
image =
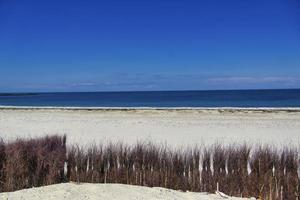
<point x="83" y="108"/>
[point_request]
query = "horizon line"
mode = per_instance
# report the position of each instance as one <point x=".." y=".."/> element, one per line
<point x="128" y="91"/>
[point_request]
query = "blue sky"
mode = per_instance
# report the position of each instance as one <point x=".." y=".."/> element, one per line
<point x="122" y="45"/>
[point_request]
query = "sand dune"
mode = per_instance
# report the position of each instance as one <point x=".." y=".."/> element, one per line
<point x="86" y="191"/>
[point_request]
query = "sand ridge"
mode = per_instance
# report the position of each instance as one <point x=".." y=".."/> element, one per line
<point x="86" y="191"/>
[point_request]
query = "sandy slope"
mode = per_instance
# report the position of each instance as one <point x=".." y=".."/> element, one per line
<point x="87" y="191"/>
<point x="176" y="127"/>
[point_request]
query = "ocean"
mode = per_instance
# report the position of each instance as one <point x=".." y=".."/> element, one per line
<point x="212" y="98"/>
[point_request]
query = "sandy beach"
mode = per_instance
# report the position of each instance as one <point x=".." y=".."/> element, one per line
<point x="172" y="126"/>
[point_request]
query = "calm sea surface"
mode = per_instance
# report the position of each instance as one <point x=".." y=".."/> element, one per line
<point x="220" y="98"/>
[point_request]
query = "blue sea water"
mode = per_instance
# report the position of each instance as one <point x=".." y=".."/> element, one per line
<point x="216" y="98"/>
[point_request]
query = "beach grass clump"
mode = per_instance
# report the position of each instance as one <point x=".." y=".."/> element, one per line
<point x="289" y="175"/>
<point x="207" y="181"/>
<point x="2" y="162"/>
<point x="259" y="171"/>
<point x="32" y="162"/>
<point x="237" y="175"/>
<point x="219" y="161"/>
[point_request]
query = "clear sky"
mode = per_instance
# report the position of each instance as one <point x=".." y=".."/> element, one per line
<point x="61" y="45"/>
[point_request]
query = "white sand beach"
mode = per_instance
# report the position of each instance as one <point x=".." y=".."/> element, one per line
<point x="72" y="191"/>
<point x="172" y="126"/>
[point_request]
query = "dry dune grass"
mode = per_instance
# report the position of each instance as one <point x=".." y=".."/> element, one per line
<point x="238" y="170"/>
